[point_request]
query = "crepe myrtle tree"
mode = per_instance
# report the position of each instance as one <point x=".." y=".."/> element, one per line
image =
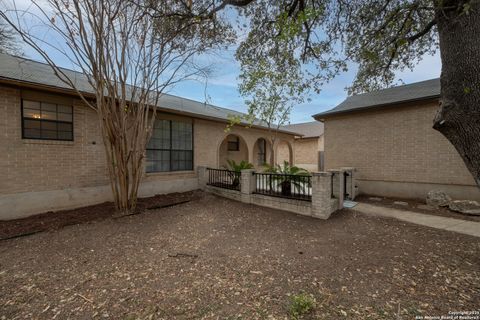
<point x="130" y="54"/>
<point x="381" y="37"/>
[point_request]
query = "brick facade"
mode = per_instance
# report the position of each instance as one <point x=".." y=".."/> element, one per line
<point x="32" y="165"/>
<point x="397" y="152"/>
<point x="306" y="152"/>
<point x="36" y="169"/>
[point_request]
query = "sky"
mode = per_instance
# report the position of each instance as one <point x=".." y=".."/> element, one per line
<point x="220" y="88"/>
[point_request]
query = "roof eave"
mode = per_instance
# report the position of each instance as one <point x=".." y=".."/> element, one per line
<point x="322" y="115"/>
<point x="71" y="92"/>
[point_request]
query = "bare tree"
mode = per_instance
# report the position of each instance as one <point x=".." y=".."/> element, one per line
<point x="8" y="41"/>
<point x="130" y="55"/>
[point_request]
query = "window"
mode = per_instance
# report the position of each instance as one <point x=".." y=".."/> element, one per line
<point x="48" y="121"/>
<point x="262" y="155"/>
<point x="170" y="147"/>
<point x="233" y="143"/>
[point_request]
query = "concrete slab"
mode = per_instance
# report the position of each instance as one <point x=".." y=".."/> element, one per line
<point x="450" y="224"/>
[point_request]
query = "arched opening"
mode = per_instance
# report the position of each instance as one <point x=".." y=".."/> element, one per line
<point x="233" y="147"/>
<point x="284" y="153"/>
<point x="261" y="153"/>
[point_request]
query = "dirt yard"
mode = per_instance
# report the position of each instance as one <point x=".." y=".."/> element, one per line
<point x="213" y="258"/>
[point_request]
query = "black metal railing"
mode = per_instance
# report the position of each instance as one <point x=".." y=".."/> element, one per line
<point x="332" y="178"/>
<point x="284" y="185"/>
<point x="226" y="179"/>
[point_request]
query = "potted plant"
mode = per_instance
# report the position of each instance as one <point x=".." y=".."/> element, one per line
<point x="237" y="170"/>
<point x="286" y="177"/>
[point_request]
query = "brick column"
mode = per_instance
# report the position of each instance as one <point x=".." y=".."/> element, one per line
<point x="202" y="177"/>
<point x="247" y="186"/>
<point x="338" y="185"/>
<point x="323" y="205"/>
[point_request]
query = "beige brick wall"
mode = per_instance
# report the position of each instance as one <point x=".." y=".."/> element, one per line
<point x="31" y="165"/>
<point x="306" y="152"/>
<point x="209" y="136"/>
<point x="41" y="165"/>
<point x="394" y="144"/>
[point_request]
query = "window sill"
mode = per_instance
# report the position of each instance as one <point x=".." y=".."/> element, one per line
<point x="170" y="173"/>
<point x="49" y="142"/>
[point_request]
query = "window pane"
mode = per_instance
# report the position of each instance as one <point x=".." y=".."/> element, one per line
<point x="182" y="160"/>
<point x="31" y="104"/>
<point x="233" y="146"/>
<point x="51" y="129"/>
<point x="65" y="127"/>
<point x="65" y="109"/>
<point x="160" y="136"/>
<point x="47" y="125"/>
<point x="158" y="161"/>
<point x="47" y="134"/>
<point x="181" y="136"/>
<point x="49" y="107"/>
<point x="65" y="117"/>
<point x="31" y="124"/>
<point x="48" y="115"/>
<point x="32" y="133"/>
<point x="30" y="113"/>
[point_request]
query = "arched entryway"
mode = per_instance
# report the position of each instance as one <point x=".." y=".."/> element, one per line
<point x="232" y="147"/>
<point x="284" y="152"/>
<point x="261" y="153"/>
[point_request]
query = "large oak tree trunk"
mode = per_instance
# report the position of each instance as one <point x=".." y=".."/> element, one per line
<point x="458" y="118"/>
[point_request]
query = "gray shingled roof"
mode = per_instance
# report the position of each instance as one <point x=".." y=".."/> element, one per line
<point x="308" y="129"/>
<point x="38" y="73"/>
<point x="410" y="92"/>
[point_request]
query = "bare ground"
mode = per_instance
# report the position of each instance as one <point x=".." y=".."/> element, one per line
<point x="59" y="219"/>
<point x="213" y="258"/>
<point x="416" y="206"/>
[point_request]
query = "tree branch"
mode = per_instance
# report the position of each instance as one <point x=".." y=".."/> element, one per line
<point x="423" y="32"/>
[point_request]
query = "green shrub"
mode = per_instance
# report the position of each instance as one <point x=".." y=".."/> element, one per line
<point x="300" y="305"/>
<point x="232" y="165"/>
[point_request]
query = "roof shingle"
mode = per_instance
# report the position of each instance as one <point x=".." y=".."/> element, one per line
<point x="308" y="129"/>
<point x="427" y="89"/>
<point x="38" y="73"/>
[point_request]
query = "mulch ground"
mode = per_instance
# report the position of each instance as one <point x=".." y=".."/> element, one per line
<point x="56" y="220"/>
<point x="213" y="258"/>
<point x="416" y="206"/>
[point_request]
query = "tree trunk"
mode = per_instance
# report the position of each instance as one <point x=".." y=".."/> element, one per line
<point x="271" y="160"/>
<point x="458" y="118"/>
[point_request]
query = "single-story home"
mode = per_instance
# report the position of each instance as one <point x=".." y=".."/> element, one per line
<point x="387" y="136"/>
<point x="52" y="155"/>
<point x="309" y="146"/>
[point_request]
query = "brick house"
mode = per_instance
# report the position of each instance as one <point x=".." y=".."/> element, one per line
<point x="308" y="147"/>
<point x="52" y="155"/>
<point x="388" y="137"/>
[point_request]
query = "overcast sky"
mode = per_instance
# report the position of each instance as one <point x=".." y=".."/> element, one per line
<point x="221" y="87"/>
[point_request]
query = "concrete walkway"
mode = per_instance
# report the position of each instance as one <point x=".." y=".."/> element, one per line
<point x="456" y="225"/>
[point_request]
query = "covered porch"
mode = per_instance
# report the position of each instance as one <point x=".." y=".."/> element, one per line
<point x="256" y="150"/>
